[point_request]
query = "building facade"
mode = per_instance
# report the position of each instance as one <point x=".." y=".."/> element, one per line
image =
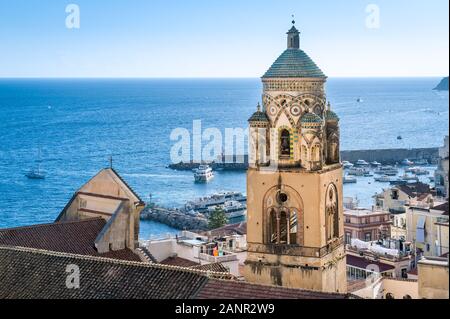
<point x="366" y="225"/>
<point x="441" y="174"/>
<point x="427" y="228"/>
<point x="295" y="229"/>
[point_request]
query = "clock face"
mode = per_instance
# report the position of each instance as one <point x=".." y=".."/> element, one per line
<point x="273" y="110"/>
<point x="296" y="110"/>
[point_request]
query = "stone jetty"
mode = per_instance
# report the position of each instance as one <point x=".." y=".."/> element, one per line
<point x="175" y="218"/>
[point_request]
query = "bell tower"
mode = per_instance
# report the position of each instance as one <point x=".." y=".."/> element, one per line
<point x="294" y="183"/>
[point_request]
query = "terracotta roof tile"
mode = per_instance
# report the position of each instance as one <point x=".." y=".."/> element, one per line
<point x="443" y="208"/>
<point x="177" y="261"/>
<point x="34" y="274"/>
<point x="226" y="289"/>
<point x="75" y="237"/>
<point x="216" y="267"/>
<point x="363" y="263"/>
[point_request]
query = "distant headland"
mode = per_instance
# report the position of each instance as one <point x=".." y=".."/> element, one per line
<point x="443" y="85"/>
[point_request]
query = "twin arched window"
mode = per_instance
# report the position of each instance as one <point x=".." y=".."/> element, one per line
<point x="283" y="227"/>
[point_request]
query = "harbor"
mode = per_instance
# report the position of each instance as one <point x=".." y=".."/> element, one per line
<point x="383" y="156"/>
<point x="194" y="214"/>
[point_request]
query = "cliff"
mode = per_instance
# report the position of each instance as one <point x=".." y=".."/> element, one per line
<point x="443" y="85"/>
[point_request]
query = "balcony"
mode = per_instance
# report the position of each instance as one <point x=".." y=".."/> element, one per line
<point x="226" y="257"/>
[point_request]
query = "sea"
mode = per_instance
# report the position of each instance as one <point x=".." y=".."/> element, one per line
<point x="77" y="124"/>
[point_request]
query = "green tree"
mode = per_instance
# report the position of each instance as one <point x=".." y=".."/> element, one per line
<point x="217" y="218"/>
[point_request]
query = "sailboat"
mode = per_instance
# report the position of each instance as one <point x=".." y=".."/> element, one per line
<point x="36" y="173"/>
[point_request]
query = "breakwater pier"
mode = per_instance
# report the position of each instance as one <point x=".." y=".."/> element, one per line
<point x="384" y="156"/>
<point x="175" y="218"/>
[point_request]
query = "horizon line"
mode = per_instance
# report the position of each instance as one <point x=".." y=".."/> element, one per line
<point x="198" y="77"/>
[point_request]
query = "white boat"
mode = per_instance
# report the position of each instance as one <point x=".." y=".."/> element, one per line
<point x="361" y="163"/>
<point x="409" y="177"/>
<point x="417" y="171"/>
<point x="203" y="174"/>
<point x="232" y="209"/>
<point x="201" y="205"/>
<point x="357" y="171"/>
<point x="386" y="170"/>
<point x="347" y="164"/>
<point x="383" y="179"/>
<point x="349" y="180"/>
<point x="421" y="162"/>
<point x="36" y="173"/>
<point x="375" y="164"/>
<point x="407" y="162"/>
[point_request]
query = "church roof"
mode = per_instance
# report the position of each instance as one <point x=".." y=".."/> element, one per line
<point x="294" y="63"/>
<point x="330" y="115"/>
<point x="311" y="118"/>
<point x="74" y="237"/>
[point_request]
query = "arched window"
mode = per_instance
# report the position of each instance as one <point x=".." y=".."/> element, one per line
<point x="285" y="143"/>
<point x="407" y="297"/>
<point x="280" y="228"/>
<point x="389" y="296"/>
<point x="315" y="153"/>
<point x="273" y="229"/>
<point x="293" y="227"/>
<point x="284" y="221"/>
<point x="332" y="213"/>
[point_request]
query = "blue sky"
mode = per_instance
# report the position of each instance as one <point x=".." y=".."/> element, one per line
<point x="220" y="38"/>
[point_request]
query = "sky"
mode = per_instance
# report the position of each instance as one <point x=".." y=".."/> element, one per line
<point x="221" y="38"/>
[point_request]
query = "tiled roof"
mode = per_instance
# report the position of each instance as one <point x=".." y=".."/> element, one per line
<point x="216" y="267"/>
<point x="177" y="261"/>
<point x="363" y="263"/>
<point x="74" y="237"/>
<point x="294" y="63"/>
<point x="331" y="116"/>
<point x="228" y="230"/>
<point x="415" y="189"/>
<point x="259" y="116"/>
<point x="32" y="274"/>
<point x="311" y="118"/>
<point x="443" y="208"/>
<point x="27" y="273"/>
<point x="222" y="289"/>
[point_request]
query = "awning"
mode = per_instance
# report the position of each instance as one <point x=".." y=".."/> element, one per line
<point x="420" y="231"/>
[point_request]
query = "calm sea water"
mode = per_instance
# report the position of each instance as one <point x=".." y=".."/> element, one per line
<point x="79" y="123"/>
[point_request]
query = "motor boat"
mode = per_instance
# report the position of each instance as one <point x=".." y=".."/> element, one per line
<point x="357" y="171"/>
<point x="203" y="174"/>
<point x="417" y="171"/>
<point x="347" y="164"/>
<point x="375" y="164"/>
<point x="383" y="179"/>
<point x="407" y="162"/>
<point x="361" y="163"/>
<point x="349" y="180"/>
<point x="386" y="170"/>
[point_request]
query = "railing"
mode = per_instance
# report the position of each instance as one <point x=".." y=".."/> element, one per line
<point x="215" y="259"/>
